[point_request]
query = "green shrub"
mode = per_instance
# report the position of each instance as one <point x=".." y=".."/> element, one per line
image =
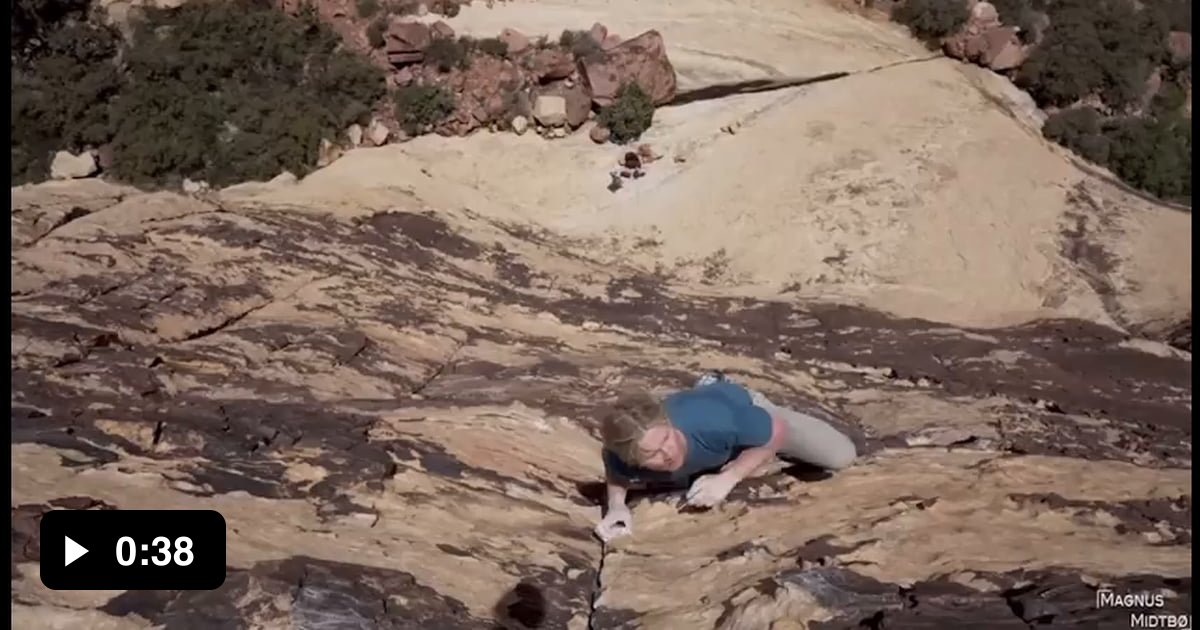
<point x="64" y="76"/>
<point x="376" y="32"/>
<point x="421" y="106"/>
<point x="446" y="54"/>
<point x="1103" y="47"/>
<point x="581" y="45"/>
<point x="1022" y="14"/>
<point x="492" y="46"/>
<point x="367" y="8"/>
<point x="404" y="7"/>
<point x="630" y="115"/>
<point x="1153" y="154"/>
<point x="448" y="8"/>
<point x="230" y="90"/>
<point x="1177" y="12"/>
<point x="931" y="19"/>
<point x="1170" y="99"/>
<point x="1079" y="129"/>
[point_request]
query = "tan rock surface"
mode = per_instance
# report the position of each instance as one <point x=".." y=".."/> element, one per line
<point x="388" y="404"/>
<point x="386" y="375"/>
<point x="824" y="191"/>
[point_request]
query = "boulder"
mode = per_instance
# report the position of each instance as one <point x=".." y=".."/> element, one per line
<point x="523" y="104"/>
<point x="328" y="153"/>
<point x="578" y="101"/>
<point x="192" y="187"/>
<point x="550" y="110"/>
<point x="599" y="134"/>
<point x="964" y="43"/>
<point x="1010" y="56"/>
<point x="354" y="133"/>
<point x="642" y="60"/>
<point x="520" y="125"/>
<point x="516" y="42"/>
<point x="998" y="47"/>
<point x="405" y="42"/>
<point x="378" y="133"/>
<point x="442" y="29"/>
<point x="105" y="157"/>
<point x="598" y="32"/>
<point x="994" y="41"/>
<point x="285" y="178"/>
<point x="481" y="92"/>
<point x="401" y="77"/>
<point x="579" y="105"/>
<point x="551" y="64"/>
<point x="984" y="13"/>
<point x="67" y="165"/>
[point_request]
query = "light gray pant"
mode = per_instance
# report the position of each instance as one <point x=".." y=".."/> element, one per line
<point x="810" y="439"/>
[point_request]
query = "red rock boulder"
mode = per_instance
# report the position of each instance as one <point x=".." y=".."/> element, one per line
<point x="515" y="41"/>
<point x="405" y="42"/>
<point x="482" y="94"/>
<point x="642" y="60"/>
<point x="551" y="64"/>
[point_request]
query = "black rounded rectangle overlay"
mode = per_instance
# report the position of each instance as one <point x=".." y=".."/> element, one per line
<point x="132" y="549"/>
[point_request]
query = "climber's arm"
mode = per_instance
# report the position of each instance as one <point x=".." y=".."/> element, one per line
<point x="752" y="458"/>
<point x="615" y="492"/>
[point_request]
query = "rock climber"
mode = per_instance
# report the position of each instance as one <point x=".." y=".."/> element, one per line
<point x="717" y="429"/>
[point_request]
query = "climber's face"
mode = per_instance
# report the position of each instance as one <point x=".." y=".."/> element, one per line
<point x="662" y="447"/>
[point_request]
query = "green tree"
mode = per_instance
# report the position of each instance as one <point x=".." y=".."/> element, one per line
<point x="932" y="19"/>
<point x="1102" y="47"/>
<point x="229" y="90"/>
<point x="64" y="76"/>
<point x="422" y="106"/>
<point x="630" y="114"/>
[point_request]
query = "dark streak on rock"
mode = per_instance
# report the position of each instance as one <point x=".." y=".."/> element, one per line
<point x="1138" y="515"/>
<point x="1056" y="596"/>
<point x="323" y="594"/>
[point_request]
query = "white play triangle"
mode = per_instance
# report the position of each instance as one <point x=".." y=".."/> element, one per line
<point x="73" y="551"/>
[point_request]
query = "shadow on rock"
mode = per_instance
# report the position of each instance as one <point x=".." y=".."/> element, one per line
<point x="522" y="607"/>
<point x="805" y="472"/>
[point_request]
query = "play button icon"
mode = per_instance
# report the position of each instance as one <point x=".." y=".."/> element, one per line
<point x="73" y="551"/>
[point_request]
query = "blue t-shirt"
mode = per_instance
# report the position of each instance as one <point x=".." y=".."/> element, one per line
<point x="718" y="421"/>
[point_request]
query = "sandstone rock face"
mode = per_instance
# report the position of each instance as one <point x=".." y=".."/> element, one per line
<point x="642" y="60"/>
<point x="395" y="411"/>
<point x="67" y="165"/>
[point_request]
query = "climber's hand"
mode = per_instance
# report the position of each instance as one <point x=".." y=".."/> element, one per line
<point x="618" y="522"/>
<point x="709" y="490"/>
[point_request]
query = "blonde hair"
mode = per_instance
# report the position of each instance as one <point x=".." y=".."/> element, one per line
<point x="627" y="420"/>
